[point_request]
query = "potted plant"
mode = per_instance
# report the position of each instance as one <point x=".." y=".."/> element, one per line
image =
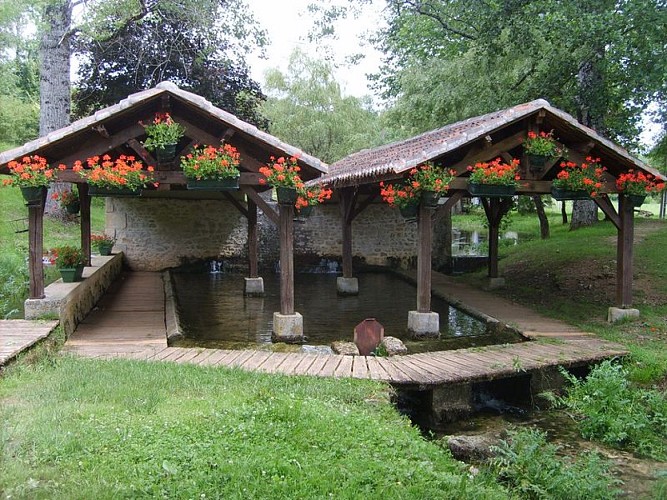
<point x="102" y="243"/>
<point x="578" y="182"/>
<point x="69" y="261"/>
<point x="540" y="148"/>
<point x="637" y="185"/>
<point x="403" y="196"/>
<point x="124" y="176"/>
<point x="432" y="181"/>
<point x="69" y="200"/>
<point x="32" y="175"/>
<point x="308" y="197"/>
<point x="163" y="135"/>
<point x="495" y="178"/>
<point x="208" y="167"/>
<point x="283" y="175"/>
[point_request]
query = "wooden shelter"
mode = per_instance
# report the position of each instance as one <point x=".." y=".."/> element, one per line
<point x="484" y="138"/>
<point x="117" y="130"/>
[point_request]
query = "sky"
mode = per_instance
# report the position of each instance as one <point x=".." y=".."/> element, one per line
<point x="288" y="22"/>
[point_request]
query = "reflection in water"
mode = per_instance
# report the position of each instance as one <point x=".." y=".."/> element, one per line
<point x="474" y="243"/>
<point x="214" y="313"/>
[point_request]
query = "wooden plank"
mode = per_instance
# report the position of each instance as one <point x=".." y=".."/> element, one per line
<point x="228" y="358"/>
<point x="393" y="373"/>
<point x="304" y="365"/>
<point x="415" y="372"/>
<point x="359" y="367"/>
<point x="344" y="368"/>
<point x="241" y="358"/>
<point x="163" y="354"/>
<point x="255" y="360"/>
<point x="329" y="368"/>
<point x="318" y="363"/>
<point x="214" y="358"/>
<point x="191" y="353"/>
<point x="287" y="367"/>
<point x="175" y="354"/>
<point x="375" y="369"/>
<point x="273" y="362"/>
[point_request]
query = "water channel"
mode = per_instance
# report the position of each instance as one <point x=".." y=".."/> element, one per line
<point x="214" y="313"/>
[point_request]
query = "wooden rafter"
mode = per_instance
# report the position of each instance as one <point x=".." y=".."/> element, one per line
<point x="141" y="151"/>
<point x="263" y="205"/>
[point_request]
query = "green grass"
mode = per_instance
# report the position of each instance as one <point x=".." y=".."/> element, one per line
<point x="14" y="247"/>
<point x="76" y="428"/>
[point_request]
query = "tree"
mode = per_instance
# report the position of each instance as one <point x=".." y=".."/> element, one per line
<point x="306" y="108"/>
<point x="169" y="43"/>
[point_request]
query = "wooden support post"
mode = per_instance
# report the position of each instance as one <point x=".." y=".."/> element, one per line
<point x="252" y="239"/>
<point x="425" y="237"/>
<point x="36" y="248"/>
<point x="494" y="234"/>
<point x="346" y="202"/>
<point x="84" y="199"/>
<point x="286" y="214"/>
<point x="624" y="253"/>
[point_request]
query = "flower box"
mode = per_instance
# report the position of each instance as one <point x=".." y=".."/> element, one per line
<point x="536" y="163"/>
<point x="286" y="195"/>
<point x="227" y="184"/>
<point x="303" y="213"/>
<point x="636" y="200"/>
<point x="73" y="208"/>
<point x="71" y="274"/>
<point x="430" y="199"/>
<point x="116" y="192"/>
<point x="409" y="212"/>
<point x="165" y="153"/>
<point x="491" y="190"/>
<point x="33" y="195"/>
<point x="565" y="194"/>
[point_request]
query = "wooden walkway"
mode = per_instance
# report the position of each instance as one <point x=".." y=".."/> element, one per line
<point x="17" y="335"/>
<point x="129" y="323"/>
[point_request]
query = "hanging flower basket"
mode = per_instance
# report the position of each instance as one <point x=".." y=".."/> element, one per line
<point x="636" y="200"/>
<point x="409" y="212"/>
<point x="303" y="213"/>
<point x="286" y="195"/>
<point x="33" y="195"/>
<point x="536" y="163"/>
<point x="491" y="190"/>
<point x="227" y="184"/>
<point x="73" y="208"/>
<point x="115" y="192"/>
<point x="165" y="153"/>
<point x="565" y="194"/>
<point x="430" y="199"/>
<point x="71" y="274"/>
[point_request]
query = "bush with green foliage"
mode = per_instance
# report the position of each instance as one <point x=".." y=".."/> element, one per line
<point x="531" y="468"/>
<point x="13" y="284"/>
<point x="618" y="414"/>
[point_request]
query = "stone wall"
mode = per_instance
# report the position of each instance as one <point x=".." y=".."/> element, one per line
<point x="157" y="234"/>
<point x="71" y="302"/>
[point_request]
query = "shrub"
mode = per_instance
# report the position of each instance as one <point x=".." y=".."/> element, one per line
<point x="614" y="412"/>
<point x="531" y="468"/>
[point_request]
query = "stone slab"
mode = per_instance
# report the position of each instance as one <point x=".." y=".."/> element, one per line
<point x="618" y="314"/>
<point x="347" y="286"/>
<point x="423" y="325"/>
<point x="254" y="287"/>
<point x="288" y="328"/>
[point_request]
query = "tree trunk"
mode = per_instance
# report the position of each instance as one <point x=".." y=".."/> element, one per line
<point x="563" y="211"/>
<point x="54" y="77"/>
<point x="583" y="214"/>
<point x="542" y="216"/>
<point x="590" y="112"/>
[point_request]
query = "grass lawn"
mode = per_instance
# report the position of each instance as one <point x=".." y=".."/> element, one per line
<point x="76" y="428"/>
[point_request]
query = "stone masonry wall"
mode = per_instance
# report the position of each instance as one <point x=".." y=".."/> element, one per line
<point x="156" y="234"/>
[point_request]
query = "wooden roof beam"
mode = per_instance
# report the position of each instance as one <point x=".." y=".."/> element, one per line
<point x="141" y="151"/>
<point x="100" y="145"/>
<point x="490" y="152"/>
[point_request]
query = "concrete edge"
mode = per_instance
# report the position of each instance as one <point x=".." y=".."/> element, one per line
<point x="171" y="320"/>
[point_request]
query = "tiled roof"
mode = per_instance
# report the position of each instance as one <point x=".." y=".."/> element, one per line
<point x="369" y="164"/>
<point x="193" y="100"/>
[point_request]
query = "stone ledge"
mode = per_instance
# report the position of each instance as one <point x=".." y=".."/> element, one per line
<point x="71" y="302"/>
